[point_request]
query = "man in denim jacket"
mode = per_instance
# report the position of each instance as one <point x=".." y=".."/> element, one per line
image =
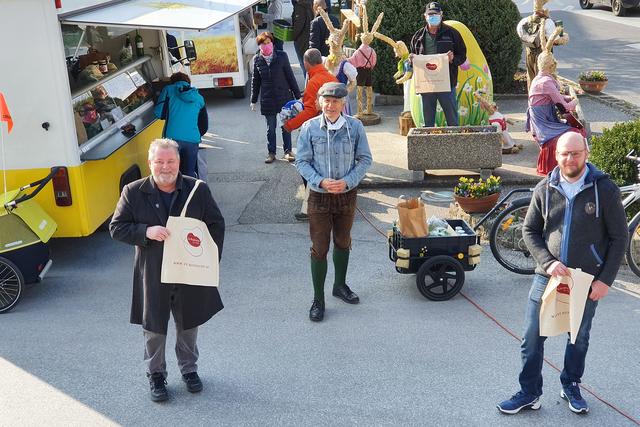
<point x="576" y="220"/>
<point x="333" y="156"/>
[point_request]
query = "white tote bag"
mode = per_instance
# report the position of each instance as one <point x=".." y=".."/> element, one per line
<point x="431" y="73"/>
<point x="190" y="255"/>
<point x="563" y="304"/>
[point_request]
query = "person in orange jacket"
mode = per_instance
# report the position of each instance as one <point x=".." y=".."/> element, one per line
<point x="318" y="75"/>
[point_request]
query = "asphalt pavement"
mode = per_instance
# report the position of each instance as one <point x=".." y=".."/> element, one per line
<point x="69" y="356"/>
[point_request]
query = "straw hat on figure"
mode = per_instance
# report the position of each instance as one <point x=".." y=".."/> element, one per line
<point x="528" y="30"/>
<point x="364" y="59"/>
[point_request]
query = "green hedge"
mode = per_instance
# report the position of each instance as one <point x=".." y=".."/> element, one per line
<point x="608" y="151"/>
<point x="493" y="23"/>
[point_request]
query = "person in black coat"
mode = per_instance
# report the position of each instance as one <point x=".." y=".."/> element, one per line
<point x="140" y="220"/>
<point x="319" y="32"/>
<point x="273" y="80"/>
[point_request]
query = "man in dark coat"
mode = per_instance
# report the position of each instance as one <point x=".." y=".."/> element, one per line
<point x="319" y="32"/>
<point x="140" y="218"/>
<point x="301" y="21"/>
<point x="437" y="37"/>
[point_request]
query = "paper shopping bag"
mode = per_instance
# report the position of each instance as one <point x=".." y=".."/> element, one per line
<point x="412" y="218"/>
<point x="563" y="304"/>
<point x="431" y="73"/>
<point x="190" y="255"/>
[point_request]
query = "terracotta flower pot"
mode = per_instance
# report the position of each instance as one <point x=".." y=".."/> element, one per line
<point x="482" y="205"/>
<point x="593" y="86"/>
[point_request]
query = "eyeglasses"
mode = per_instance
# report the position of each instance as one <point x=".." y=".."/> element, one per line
<point x="567" y="154"/>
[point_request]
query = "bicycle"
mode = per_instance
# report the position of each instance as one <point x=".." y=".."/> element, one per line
<point x="507" y="243"/>
<point x="505" y="237"/>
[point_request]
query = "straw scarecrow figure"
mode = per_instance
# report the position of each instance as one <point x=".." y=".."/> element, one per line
<point x="530" y="30"/>
<point x="336" y="62"/>
<point x="364" y="59"/>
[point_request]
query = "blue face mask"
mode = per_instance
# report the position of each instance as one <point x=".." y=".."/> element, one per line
<point x="434" y="19"/>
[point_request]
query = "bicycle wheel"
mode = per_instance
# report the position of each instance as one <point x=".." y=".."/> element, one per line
<point x="633" y="247"/>
<point x="11" y="283"/>
<point x="507" y="243"/>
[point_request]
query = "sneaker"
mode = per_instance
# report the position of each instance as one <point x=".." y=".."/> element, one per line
<point x="193" y="382"/>
<point x="301" y="216"/>
<point x="519" y="401"/>
<point x="289" y="156"/>
<point x="270" y="158"/>
<point x="316" y="313"/>
<point x="158" y="386"/>
<point x="571" y="394"/>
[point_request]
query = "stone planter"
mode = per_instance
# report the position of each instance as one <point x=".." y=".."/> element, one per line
<point x="593" y="86"/>
<point x="455" y="147"/>
<point x="482" y="205"/>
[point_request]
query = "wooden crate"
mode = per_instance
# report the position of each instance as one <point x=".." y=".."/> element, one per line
<point x="406" y="123"/>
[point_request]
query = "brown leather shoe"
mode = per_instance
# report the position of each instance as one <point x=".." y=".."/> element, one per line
<point x="270" y="158"/>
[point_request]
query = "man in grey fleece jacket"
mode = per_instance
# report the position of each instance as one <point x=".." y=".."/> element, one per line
<point x="576" y="220"/>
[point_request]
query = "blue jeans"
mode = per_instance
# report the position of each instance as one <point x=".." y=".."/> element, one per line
<point x="448" y="103"/>
<point x="272" y="122"/>
<point x="532" y="346"/>
<point x="188" y="158"/>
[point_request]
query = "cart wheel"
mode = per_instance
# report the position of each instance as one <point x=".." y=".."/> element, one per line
<point x="11" y="283"/>
<point x="440" y="278"/>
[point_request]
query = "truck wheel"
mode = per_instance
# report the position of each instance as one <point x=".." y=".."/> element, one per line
<point x="440" y="278"/>
<point x="239" y="92"/>
<point x="11" y="284"/>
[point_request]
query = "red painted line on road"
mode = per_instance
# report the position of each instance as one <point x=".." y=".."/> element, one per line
<point x="518" y="338"/>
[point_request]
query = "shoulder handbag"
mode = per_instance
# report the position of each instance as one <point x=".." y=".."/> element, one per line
<point x="190" y="255"/>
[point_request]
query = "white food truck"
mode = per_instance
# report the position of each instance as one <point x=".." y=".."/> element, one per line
<point x="80" y="79"/>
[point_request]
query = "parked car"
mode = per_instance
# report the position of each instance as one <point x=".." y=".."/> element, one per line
<point x="618" y="7"/>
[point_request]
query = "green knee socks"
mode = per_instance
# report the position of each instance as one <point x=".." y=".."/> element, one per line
<point x="318" y="274"/>
<point x="340" y="264"/>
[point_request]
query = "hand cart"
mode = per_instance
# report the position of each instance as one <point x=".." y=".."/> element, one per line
<point x="25" y="229"/>
<point x="438" y="261"/>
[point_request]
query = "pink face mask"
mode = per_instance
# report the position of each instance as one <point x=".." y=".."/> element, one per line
<point x="266" y="48"/>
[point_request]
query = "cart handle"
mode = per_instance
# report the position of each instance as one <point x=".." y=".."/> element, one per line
<point x="9" y="206"/>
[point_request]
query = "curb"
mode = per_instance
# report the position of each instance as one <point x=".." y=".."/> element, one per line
<point x="617" y="103"/>
<point x="448" y="181"/>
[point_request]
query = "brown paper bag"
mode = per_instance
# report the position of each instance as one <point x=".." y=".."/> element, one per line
<point x="563" y="304"/>
<point x="431" y="73"/>
<point x="412" y="218"/>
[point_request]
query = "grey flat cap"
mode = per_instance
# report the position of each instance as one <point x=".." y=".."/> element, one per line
<point x="333" y="89"/>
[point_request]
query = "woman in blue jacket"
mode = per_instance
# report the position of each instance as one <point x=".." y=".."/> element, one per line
<point x="273" y="80"/>
<point x="182" y="108"/>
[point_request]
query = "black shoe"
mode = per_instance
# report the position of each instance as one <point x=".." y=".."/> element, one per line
<point x="301" y="216"/>
<point x="346" y="294"/>
<point x="158" y="387"/>
<point x="316" y="314"/>
<point x="193" y="382"/>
